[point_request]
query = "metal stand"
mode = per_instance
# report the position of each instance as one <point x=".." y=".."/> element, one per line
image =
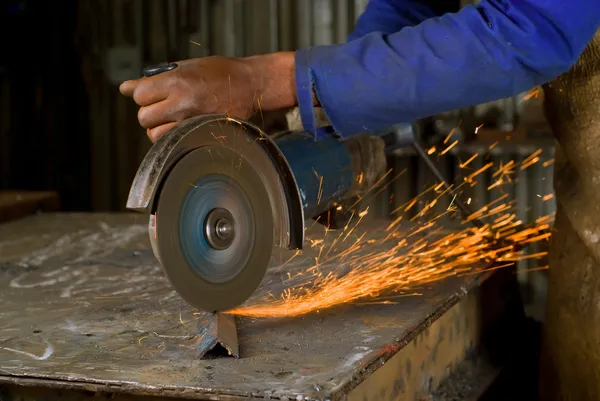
<point x="217" y="330"/>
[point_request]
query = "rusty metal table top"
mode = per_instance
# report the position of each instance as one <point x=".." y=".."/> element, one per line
<point x="84" y="304"/>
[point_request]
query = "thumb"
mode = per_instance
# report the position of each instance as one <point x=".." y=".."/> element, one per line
<point x="128" y="87"/>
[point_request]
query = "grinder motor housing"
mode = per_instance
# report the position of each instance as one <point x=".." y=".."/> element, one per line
<point x="290" y="178"/>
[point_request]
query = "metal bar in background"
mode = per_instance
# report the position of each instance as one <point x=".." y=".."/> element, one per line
<point x="141" y="143"/>
<point x="305" y="23"/>
<point x="480" y="193"/>
<point x="205" y="34"/>
<point x="359" y="8"/>
<point x="340" y="21"/>
<point x="178" y="51"/>
<point x="522" y="197"/>
<point x="4" y="127"/>
<point x="250" y="28"/>
<point x="262" y="29"/>
<point x="240" y="22"/>
<point x="196" y="45"/>
<point x="138" y="18"/>
<point x="536" y="199"/>
<point x="187" y="16"/>
<point x="171" y="28"/>
<point x="157" y="33"/>
<point x="403" y="188"/>
<point x="228" y="28"/>
<point x="284" y="26"/>
<point x="222" y="40"/>
<point x="549" y="182"/>
<point x="273" y="26"/>
<point x="216" y="36"/>
<point x="102" y="155"/>
<point x="323" y="22"/>
<point x="535" y="206"/>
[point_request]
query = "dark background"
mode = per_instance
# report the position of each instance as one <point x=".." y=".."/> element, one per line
<point x="44" y="104"/>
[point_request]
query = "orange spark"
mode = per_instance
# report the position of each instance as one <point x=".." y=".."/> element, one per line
<point x="469" y="178"/>
<point x="449" y="135"/>
<point x="401" y="260"/>
<point x="532" y="94"/>
<point x="531" y="159"/>
<point x="465" y="164"/>
<point x="449" y="147"/>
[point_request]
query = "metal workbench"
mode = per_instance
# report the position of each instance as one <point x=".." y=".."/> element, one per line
<point x="85" y="308"/>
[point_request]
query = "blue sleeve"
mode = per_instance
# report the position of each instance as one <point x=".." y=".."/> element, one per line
<point x="494" y="50"/>
<point x="389" y="16"/>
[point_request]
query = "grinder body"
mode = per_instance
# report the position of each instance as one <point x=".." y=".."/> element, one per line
<point x="322" y="171"/>
<point x="220" y="194"/>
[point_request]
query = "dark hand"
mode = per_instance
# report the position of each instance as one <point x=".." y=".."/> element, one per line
<point x="210" y="85"/>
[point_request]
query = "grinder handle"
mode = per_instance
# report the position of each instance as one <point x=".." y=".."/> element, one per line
<point x="158" y="69"/>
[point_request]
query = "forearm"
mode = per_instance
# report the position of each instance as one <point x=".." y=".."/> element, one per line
<point x="479" y="54"/>
<point x="275" y="80"/>
<point x="275" y="73"/>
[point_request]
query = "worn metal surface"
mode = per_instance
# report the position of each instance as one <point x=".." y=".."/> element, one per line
<point x="85" y="306"/>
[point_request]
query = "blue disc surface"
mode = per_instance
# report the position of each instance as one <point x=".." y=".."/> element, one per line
<point x="205" y="195"/>
<point x="210" y="269"/>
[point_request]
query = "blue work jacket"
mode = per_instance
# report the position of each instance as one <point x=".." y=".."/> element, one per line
<point x="409" y="59"/>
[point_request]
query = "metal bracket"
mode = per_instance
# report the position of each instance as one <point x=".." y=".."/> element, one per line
<point x="217" y="330"/>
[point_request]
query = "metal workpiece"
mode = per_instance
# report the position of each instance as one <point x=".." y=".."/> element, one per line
<point x="217" y="332"/>
<point x="86" y="308"/>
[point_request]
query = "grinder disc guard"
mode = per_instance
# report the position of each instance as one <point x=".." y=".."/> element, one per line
<point x="213" y="228"/>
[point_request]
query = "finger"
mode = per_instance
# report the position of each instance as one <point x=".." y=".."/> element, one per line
<point x="151" y="90"/>
<point x="157" y="132"/>
<point x="128" y="87"/>
<point x="155" y="114"/>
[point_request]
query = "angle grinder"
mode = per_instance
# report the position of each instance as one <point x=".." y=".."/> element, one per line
<point x="220" y="193"/>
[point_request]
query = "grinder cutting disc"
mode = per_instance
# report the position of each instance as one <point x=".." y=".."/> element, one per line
<point x="213" y="230"/>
